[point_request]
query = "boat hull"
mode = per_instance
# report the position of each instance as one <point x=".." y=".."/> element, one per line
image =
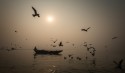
<point x="51" y="52"/>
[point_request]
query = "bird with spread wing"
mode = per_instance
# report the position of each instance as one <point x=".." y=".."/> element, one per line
<point x="35" y="12"/>
<point x="85" y="29"/>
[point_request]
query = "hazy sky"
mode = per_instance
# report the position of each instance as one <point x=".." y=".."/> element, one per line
<point x="105" y="17"/>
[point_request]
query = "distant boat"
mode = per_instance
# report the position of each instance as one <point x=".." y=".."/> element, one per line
<point x="50" y="52"/>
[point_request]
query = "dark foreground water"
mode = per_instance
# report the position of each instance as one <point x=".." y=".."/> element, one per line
<point x="24" y="61"/>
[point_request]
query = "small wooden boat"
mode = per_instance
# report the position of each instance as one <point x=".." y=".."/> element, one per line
<point x="51" y="52"/>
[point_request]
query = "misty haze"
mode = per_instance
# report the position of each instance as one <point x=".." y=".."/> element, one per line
<point x="62" y="36"/>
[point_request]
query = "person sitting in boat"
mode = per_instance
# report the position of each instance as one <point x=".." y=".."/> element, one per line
<point x="35" y="49"/>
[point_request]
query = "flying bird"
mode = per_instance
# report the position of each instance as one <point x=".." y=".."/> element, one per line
<point x="70" y="55"/>
<point x="87" y="48"/>
<point x="93" y="54"/>
<point x="119" y="64"/>
<point x="13" y="48"/>
<point x="15" y="31"/>
<point x="55" y="41"/>
<point x="86" y="57"/>
<point x="78" y="58"/>
<point x="35" y="12"/>
<point x="64" y="57"/>
<point x="114" y="37"/>
<point x="85" y="29"/>
<point x="85" y="44"/>
<point x="67" y="42"/>
<point x="53" y="45"/>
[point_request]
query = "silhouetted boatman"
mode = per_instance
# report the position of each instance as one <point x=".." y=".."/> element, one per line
<point x="60" y="44"/>
<point x="85" y="29"/>
<point x="35" y="12"/>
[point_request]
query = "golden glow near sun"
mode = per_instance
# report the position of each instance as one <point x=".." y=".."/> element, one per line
<point x="50" y="18"/>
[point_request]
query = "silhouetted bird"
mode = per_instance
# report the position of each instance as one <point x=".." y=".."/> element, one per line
<point x="67" y="42"/>
<point x="94" y="63"/>
<point x="114" y="37"/>
<point x="119" y="65"/>
<point x="8" y="49"/>
<point x="35" y="12"/>
<point x="54" y="41"/>
<point x="105" y="46"/>
<point x="85" y="44"/>
<point x="13" y="48"/>
<point x="85" y="29"/>
<point x="88" y="48"/>
<point x="86" y="57"/>
<point x="60" y="44"/>
<point x="53" y="45"/>
<point x="16" y="31"/>
<point x="93" y="48"/>
<point x="78" y="58"/>
<point x="65" y="58"/>
<point x="93" y="54"/>
<point x="70" y="55"/>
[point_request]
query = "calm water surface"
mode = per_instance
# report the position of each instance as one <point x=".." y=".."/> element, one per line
<point x="24" y="61"/>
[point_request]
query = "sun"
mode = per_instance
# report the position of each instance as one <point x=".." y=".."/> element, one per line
<point x="50" y="18"/>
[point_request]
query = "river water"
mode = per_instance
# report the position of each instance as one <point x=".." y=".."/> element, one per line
<point x="24" y="61"/>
